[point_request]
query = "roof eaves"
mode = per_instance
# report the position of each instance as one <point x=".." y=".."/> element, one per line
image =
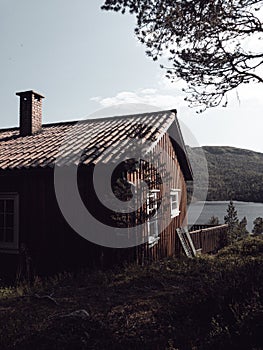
<point x="177" y="140"/>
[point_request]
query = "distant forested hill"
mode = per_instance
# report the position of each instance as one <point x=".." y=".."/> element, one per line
<point x="233" y="173"/>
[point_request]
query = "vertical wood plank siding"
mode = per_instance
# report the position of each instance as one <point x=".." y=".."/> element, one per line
<point x="168" y="244"/>
<point x="210" y="239"/>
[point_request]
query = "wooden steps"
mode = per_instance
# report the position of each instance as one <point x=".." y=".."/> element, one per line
<point x="186" y="242"/>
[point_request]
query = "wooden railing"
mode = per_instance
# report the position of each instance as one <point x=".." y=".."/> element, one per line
<point x="197" y="227"/>
<point x="209" y="239"/>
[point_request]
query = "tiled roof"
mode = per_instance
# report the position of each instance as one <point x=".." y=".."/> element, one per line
<point x="95" y="136"/>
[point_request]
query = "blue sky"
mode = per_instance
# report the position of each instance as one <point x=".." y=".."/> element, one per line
<point x="83" y="59"/>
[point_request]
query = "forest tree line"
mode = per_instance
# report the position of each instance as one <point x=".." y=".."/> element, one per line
<point x="234" y="173"/>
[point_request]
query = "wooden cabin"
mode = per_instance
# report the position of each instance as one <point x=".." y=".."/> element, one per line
<point x="36" y="235"/>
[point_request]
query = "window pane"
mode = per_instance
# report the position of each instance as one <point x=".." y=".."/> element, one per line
<point x="9" y="235"/>
<point x="152" y="228"/>
<point x="154" y="213"/>
<point x="2" y="220"/>
<point x="174" y="205"/>
<point x="173" y="198"/>
<point x="2" y="234"/>
<point x="9" y="220"/>
<point x="9" y="206"/>
<point x="151" y="206"/>
<point x="2" y="205"/>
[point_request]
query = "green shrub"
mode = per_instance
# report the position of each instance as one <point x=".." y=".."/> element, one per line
<point x="250" y="246"/>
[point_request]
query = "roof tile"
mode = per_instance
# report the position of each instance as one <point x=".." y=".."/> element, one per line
<point x="98" y="139"/>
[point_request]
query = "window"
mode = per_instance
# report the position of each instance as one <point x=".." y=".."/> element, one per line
<point x="174" y="202"/>
<point x="152" y="221"/>
<point x="8" y="221"/>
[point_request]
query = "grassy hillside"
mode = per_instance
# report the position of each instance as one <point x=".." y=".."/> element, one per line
<point x="204" y="303"/>
<point x="233" y="173"/>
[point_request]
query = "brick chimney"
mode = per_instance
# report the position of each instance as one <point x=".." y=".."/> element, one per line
<point x="30" y="112"/>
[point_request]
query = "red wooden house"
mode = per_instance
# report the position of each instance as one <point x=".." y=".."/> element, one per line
<point x="33" y="229"/>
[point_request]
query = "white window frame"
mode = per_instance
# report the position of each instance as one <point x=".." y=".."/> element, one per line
<point x="175" y="210"/>
<point x="152" y="222"/>
<point x="11" y="247"/>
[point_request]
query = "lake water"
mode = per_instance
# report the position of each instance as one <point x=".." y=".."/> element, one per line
<point x="208" y="209"/>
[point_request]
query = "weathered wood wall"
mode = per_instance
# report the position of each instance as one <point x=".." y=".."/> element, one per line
<point x="51" y="243"/>
<point x="172" y="178"/>
<point x="211" y="239"/>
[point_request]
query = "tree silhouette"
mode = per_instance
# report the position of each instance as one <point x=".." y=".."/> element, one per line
<point x="213" y="220"/>
<point x="232" y="220"/>
<point x="242" y="227"/>
<point x="207" y="42"/>
<point x="258" y="226"/>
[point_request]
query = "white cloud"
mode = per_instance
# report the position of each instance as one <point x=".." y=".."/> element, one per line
<point x="148" y="91"/>
<point x="96" y="98"/>
<point x="120" y="98"/>
<point x="162" y="99"/>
